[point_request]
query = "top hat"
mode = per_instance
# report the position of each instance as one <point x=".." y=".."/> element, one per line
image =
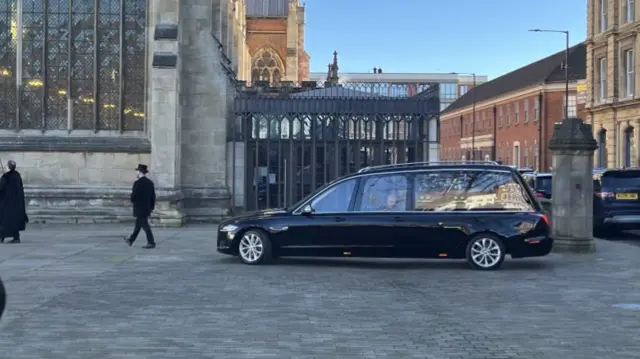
<point x="142" y="168"/>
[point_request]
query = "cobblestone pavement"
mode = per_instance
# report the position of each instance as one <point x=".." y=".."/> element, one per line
<point x="80" y="292"/>
<point x="629" y="237"/>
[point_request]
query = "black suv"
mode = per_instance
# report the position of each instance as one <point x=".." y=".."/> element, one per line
<point x="616" y="203"/>
<point x="541" y="183"/>
<point x="480" y="211"/>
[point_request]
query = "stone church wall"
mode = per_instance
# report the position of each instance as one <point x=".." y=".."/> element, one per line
<point x="72" y="179"/>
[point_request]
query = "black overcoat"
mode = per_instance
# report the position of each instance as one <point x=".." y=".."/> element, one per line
<point x="3" y="298"/>
<point x="143" y="197"/>
<point x="13" y="214"/>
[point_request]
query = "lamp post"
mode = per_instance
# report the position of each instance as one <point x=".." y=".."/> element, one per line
<point x="473" y="113"/>
<point x="566" y="67"/>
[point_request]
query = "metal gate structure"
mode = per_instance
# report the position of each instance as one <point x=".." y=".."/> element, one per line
<point x="286" y="141"/>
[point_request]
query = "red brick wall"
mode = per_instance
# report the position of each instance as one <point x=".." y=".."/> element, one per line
<point x="527" y="134"/>
<point x="272" y="33"/>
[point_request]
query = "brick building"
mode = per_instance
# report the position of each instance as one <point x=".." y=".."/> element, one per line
<point x="275" y="40"/>
<point x="514" y="113"/>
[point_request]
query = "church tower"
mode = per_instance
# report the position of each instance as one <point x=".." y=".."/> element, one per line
<point x="275" y="40"/>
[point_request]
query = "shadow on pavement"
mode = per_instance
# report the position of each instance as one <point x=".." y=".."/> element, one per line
<point x="399" y="264"/>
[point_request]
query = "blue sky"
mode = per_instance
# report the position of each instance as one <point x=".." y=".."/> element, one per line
<point x="488" y="37"/>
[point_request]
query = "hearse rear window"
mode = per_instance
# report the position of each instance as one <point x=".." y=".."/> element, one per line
<point x="468" y="190"/>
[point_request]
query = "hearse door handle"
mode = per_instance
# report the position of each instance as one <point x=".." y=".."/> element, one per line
<point x="398" y="219"/>
<point x="340" y="219"/>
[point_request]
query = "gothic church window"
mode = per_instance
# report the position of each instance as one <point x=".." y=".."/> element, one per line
<point x="76" y="64"/>
<point x="267" y="66"/>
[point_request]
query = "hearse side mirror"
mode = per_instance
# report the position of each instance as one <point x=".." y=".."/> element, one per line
<point x="307" y="210"/>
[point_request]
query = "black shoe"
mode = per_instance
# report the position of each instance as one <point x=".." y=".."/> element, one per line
<point x="14" y="241"/>
<point x="149" y="246"/>
<point x="1" y="240"/>
<point x="128" y="241"/>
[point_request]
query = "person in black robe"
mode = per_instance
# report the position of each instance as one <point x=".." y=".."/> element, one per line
<point x="13" y="214"/>
<point x="143" y="197"/>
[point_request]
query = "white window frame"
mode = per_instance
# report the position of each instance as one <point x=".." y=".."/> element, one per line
<point x="516" y="116"/>
<point x="500" y="113"/>
<point x="602" y="79"/>
<point x="536" y="109"/>
<point x="630" y="11"/>
<point x="602" y="12"/>
<point x="628" y="66"/>
<point x="525" y="113"/>
<point x="508" y="121"/>
<point x="572" y="109"/>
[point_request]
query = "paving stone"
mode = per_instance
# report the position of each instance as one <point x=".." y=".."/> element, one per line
<point x="81" y="292"/>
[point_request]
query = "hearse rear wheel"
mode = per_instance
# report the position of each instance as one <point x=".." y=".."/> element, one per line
<point x="255" y="247"/>
<point x="485" y="252"/>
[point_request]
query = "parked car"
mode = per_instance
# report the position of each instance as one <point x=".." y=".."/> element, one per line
<point x="541" y="183"/>
<point x="616" y="203"/>
<point x="477" y="211"/>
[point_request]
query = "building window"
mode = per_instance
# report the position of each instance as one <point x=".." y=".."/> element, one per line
<point x="602" y="148"/>
<point x="602" y="79"/>
<point x="525" y="113"/>
<point x="525" y="158"/>
<point x="536" y="164"/>
<point x="499" y="116"/>
<point x="463" y="89"/>
<point x="602" y="10"/>
<point x="628" y="146"/>
<point x="481" y="122"/>
<point x="536" y="109"/>
<point x="629" y="10"/>
<point x="516" y="154"/>
<point x="267" y="66"/>
<point x="508" y="114"/>
<point x="628" y="66"/>
<point x="75" y="66"/>
<point x="448" y="91"/>
<point x="516" y="117"/>
<point x="572" y="110"/>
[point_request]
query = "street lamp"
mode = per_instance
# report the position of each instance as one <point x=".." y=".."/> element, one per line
<point x="473" y="113"/>
<point x="566" y="67"/>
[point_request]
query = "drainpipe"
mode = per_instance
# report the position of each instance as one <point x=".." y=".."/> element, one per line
<point x="541" y="118"/>
<point x="494" y="149"/>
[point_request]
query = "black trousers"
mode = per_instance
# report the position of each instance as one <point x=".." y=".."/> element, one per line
<point x="142" y="223"/>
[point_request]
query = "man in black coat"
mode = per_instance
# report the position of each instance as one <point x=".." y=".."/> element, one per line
<point x="13" y="214"/>
<point x="143" y="197"/>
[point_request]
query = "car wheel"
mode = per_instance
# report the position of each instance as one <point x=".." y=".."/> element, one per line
<point x="485" y="252"/>
<point x="254" y="247"/>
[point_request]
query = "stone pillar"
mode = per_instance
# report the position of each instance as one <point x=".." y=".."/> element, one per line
<point x="292" y="43"/>
<point x="204" y="105"/>
<point x="165" y="124"/>
<point x="572" y="146"/>
<point x="611" y="143"/>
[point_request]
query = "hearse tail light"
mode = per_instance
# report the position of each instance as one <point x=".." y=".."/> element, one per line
<point x="539" y="195"/>
<point x="605" y="194"/>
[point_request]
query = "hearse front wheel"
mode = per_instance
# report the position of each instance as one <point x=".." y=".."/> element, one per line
<point x="254" y="247"/>
<point x="485" y="252"/>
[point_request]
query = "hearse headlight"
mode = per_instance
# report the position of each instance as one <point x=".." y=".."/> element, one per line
<point x="228" y="228"/>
